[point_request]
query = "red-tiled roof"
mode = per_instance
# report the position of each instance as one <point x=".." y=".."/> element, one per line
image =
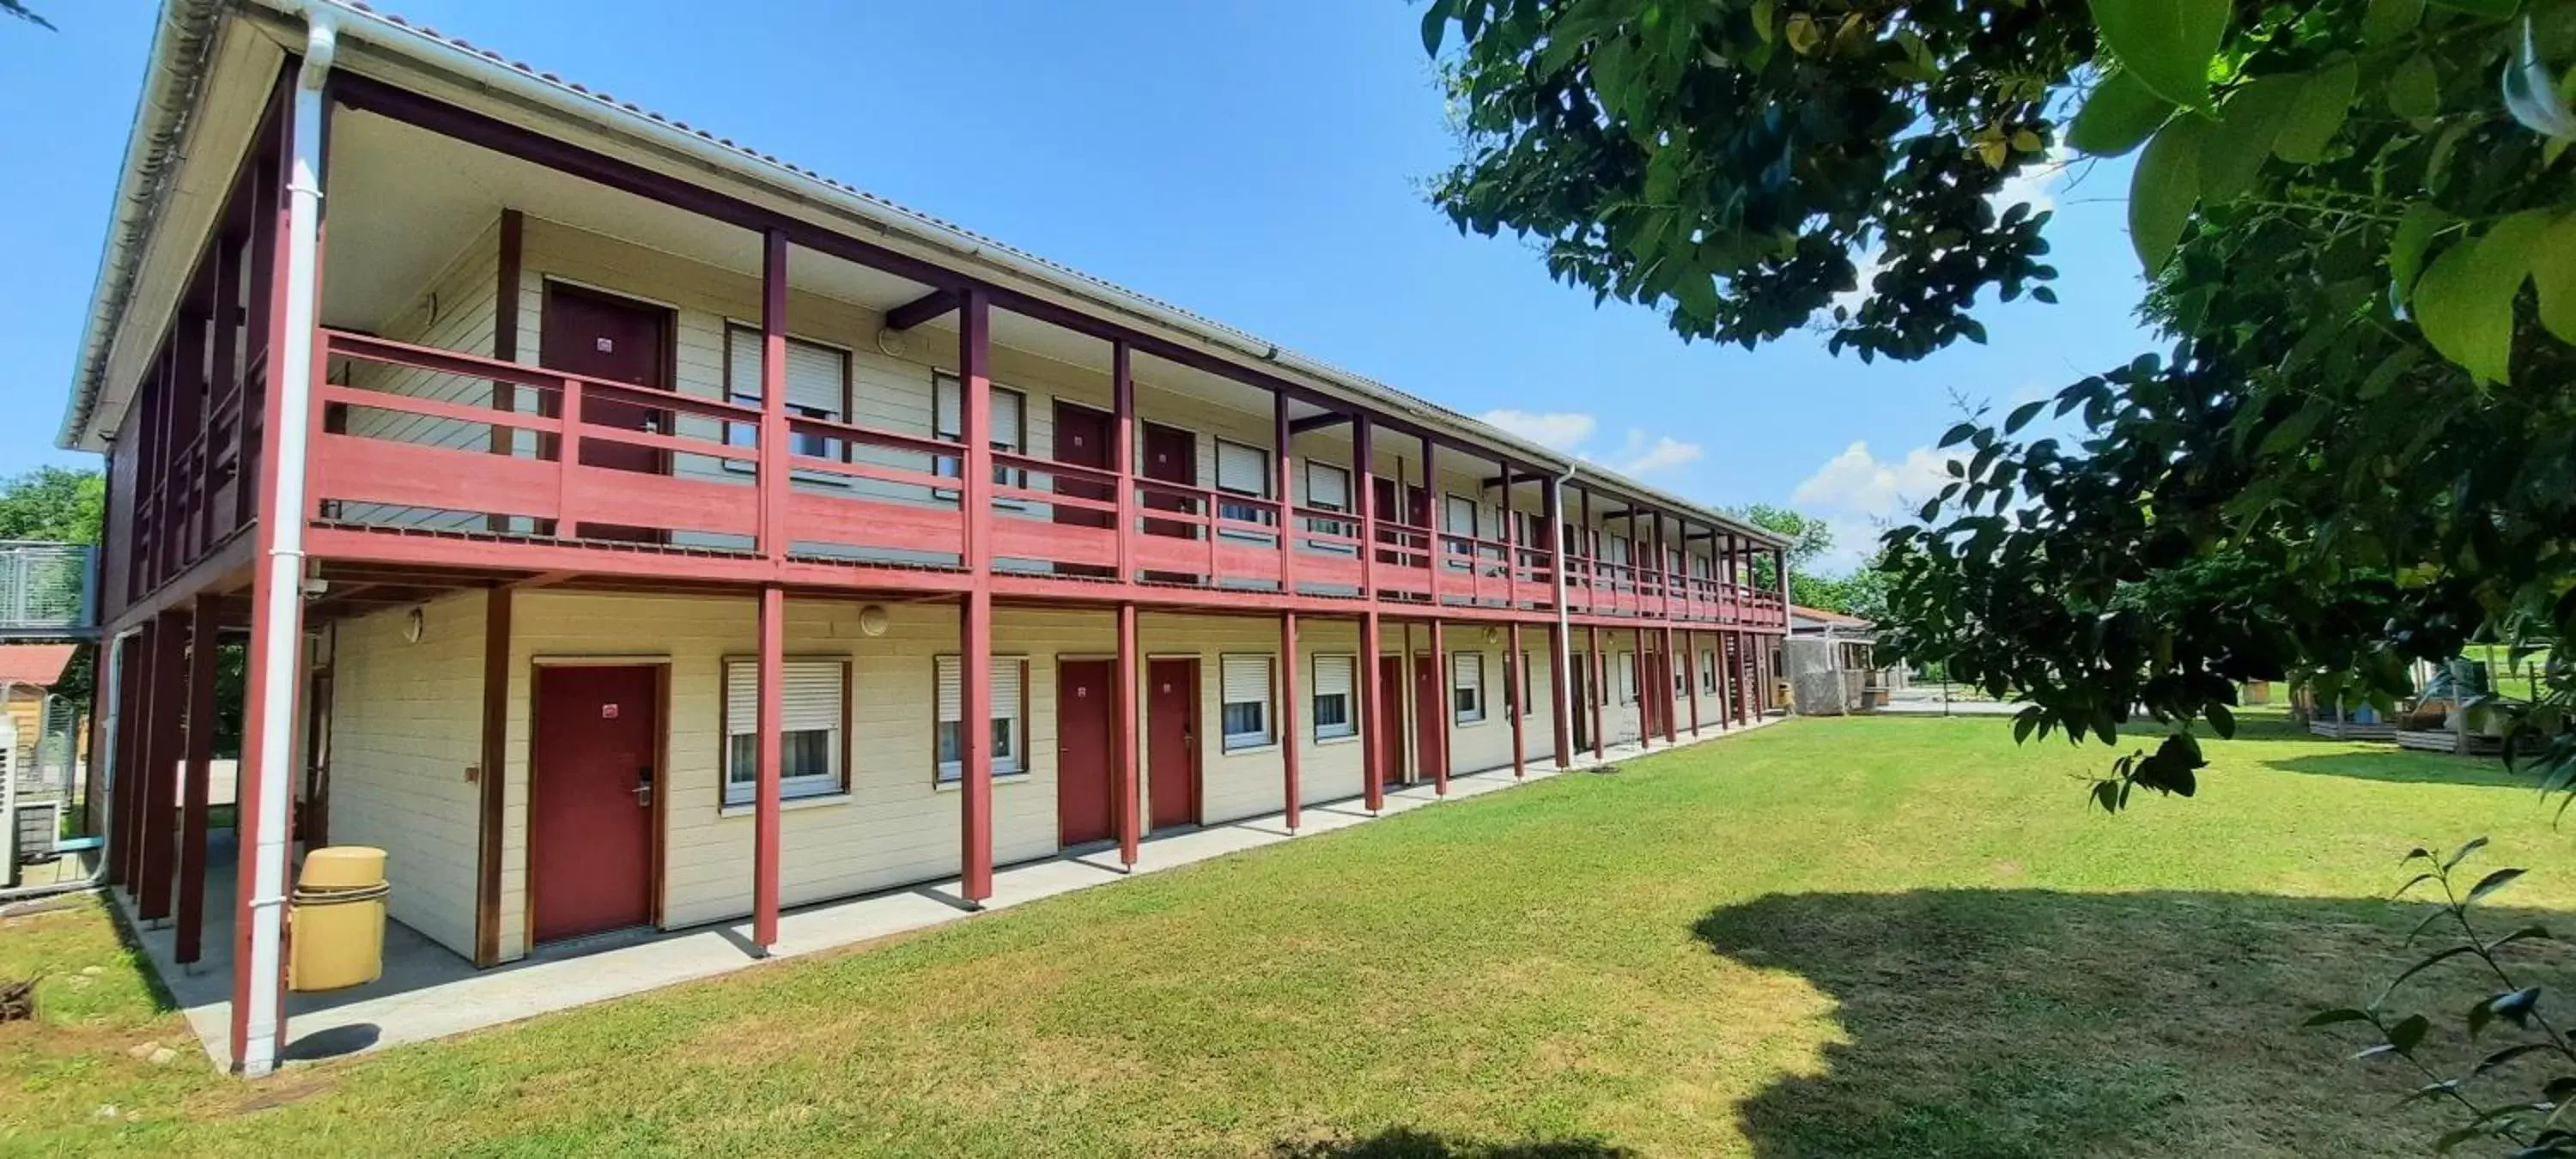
<point x="33" y="663"/>
<point x="1824" y="617"/>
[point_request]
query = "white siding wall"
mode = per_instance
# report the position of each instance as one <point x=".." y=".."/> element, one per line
<point x="406" y="724"/>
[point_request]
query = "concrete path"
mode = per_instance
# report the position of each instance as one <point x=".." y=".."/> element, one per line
<point x="429" y="992"/>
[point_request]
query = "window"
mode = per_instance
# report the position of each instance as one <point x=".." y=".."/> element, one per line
<point x="1627" y="678"/>
<point x="813" y="699"/>
<point x="1458" y="517"/>
<point x="818" y="379"/>
<point x="1512" y="688"/>
<point x="1708" y="671"/>
<point x="1467" y="686"/>
<point x="1242" y="469"/>
<point x="947" y="421"/>
<point x="1010" y="702"/>
<point x="1245" y="695"/>
<point x="1328" y="488"/>
<point x="1333" y="680"/>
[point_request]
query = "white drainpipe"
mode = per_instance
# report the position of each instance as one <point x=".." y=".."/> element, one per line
<point x="1560" y="653"/>
<point x="282" y="615"/>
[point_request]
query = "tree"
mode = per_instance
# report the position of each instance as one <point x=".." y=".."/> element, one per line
<point x="2360" y="449"/>
<point x="53" y="503"/>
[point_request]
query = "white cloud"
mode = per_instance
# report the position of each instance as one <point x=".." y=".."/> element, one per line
<point x="1641" y="457"/>
<point x="1560" y="430"/>
<point x="1858" y="495"/>
<point x="1570" y="431"/>
<point x="2037" y="183"/>
<point x="1857" y="483"/>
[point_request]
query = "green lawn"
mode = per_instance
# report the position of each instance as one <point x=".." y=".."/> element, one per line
<point x="1833" y="938"/>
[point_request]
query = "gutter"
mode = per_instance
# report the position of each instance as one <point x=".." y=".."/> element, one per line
<point x="181" y="45"/>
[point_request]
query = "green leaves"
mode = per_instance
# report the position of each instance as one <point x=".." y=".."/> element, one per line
<point x="2120" y="115"/>
<point x="2553" y="273"/>
<point x="2416" y="229"/>
<point x="2414" y="89"/>
<point x="2464" y="303"/>
<point x="2317" y="113"/>
<point x="2163" y="189"/>
<point x="1435" y="22"/>
<point x="2167" y="43"/>
<point x="2386" y="20"/>
<point x="2248" y="124"/>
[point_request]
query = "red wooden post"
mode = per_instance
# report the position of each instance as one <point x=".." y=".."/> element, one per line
<point x="1600" y="666"/>
<point x="193" y="796"/>
<point x="1664" y="689"/>
<point x="1690" y="664"/>
<point x="1437" y="551"/>
<point x="1726" y="682"/>
<point x="1122" y="393"/>
<point x="1442" y="676"/>
<point x="775" y="446"/>
<point x="161" y="750"/>
<point x="1372" y="699"/>
<point x="1559" y="641"/>
<point x="1288" y="712"/>
<point x="1645" y="677"/>
<point x="1364" y="500"/>
<point x="1519" y="687"/>
<point x="568" y="462"/>
<point x="134" y="757"/>
<point x="1590" y="549"/>
<point x="1511" y="541"/>
<point x="1125" y="789"/>
<point x="1283" y="488"/>
<point x="772" y="716"/>
<point x="975" y="664"/>
<point x="125" y="757"/>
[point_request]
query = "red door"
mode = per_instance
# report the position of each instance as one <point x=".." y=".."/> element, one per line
<point x="1085" y="691"/>
<point x="1578" y="698"/>
<point x="1085" y="438"/>
<point x="1650" y="704"/>
<point x="1172" y="740"/>
<point x="600" y="335"/>
<point x="1171" y="456"/>
<point x="1390" y="722"/>
<point x="590" y="799"/>
<point x="1430" y="716"/>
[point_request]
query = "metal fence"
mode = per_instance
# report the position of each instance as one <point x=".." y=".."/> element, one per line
<point x="47" y="760"/>
<point x="45" y="586"/>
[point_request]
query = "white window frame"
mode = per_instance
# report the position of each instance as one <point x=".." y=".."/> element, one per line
<point x="834" y="778"/>
<point x="1230" y="741"/>
<point x="1349" y="695"/>
<point x="1630" y="682"/>
<point x="1238" y="511"/>
<point x="943" y="382"/>
<point x="1348" y="527"/>
<point x="742" y="394"/>
<point x="1011" y="763"/>
<point x="1708" y="670"/>
<point x="1473" y="711"/>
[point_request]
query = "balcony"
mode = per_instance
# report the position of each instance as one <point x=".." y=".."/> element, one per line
<point x="46" y="591"/>
<point x="427" y="443"/>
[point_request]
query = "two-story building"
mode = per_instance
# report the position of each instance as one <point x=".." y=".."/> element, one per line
<point x="633" y="529"/>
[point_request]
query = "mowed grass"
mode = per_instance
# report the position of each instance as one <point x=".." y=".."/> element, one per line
<point x="1867" y="937"/>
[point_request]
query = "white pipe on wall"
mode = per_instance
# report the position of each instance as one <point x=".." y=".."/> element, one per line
<point x="282" y="615"/>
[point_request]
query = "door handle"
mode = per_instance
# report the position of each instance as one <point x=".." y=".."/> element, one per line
<point x="644" y="787"/>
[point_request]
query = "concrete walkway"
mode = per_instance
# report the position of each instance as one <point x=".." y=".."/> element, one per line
<point x="429" y="992"/>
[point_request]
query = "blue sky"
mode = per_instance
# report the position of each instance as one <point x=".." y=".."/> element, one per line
<point x="1258" y="164"/>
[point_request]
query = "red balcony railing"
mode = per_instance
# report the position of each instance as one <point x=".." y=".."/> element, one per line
<point x="416" y="437"/>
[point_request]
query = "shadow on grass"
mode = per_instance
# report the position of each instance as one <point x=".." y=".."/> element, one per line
<point x="1406" y="1143"/>
<point x="2411" y="768"/>
<point x="2034" y="1023"/>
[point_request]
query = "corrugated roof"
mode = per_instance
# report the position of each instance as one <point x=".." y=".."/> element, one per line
<point x="38" y="664"/>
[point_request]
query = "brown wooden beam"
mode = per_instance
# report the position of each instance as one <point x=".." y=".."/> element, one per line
<point x="925" y="308"/>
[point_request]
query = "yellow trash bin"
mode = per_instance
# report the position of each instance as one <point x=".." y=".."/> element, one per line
<point x="336" y="919"/>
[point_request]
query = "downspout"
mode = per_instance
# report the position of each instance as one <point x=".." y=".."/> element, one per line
<point x="284" y="521"/>
<point x="1558" y="649"/>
